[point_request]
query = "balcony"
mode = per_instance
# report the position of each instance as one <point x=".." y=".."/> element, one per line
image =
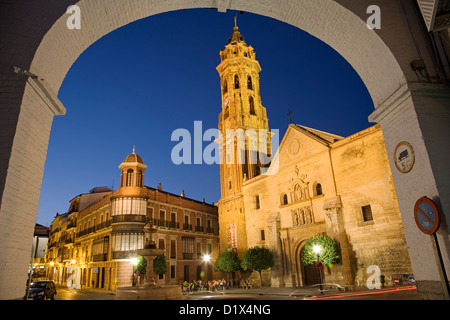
<point x="187" y="227"/>
<point x="98" y="227"/>
<point x="166" y="224"/>
<point x="100" y="257"/>
<point x="188" y="256"/>
<point x="212" y="230"/>
<point x="127" y="218"/>
<point x="116" y="255"/>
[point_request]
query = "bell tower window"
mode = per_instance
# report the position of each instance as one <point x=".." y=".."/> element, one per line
<point x="130" y="177"/>
<point x="249" y="83"/>
<point x="252" y="105"/>
<point x="225" y="87"/>
<point x="236" y="82"/>
<point x="139" y="179"/>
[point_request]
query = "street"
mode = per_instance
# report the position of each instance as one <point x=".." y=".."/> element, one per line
<point x="64" y="293"/>
<point x="401" y="293"/>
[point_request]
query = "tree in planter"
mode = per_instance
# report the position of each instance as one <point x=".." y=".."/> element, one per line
<point x="227" y="262"/>
<point x="257" y="259"/>
<point x="330" y="250"/>
<point x="140" y="268"/>
<point x="159" y="265"/>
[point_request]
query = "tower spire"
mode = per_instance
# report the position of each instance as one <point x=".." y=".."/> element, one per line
<point x="236" y="36"/>
<point x="134" y="149"/>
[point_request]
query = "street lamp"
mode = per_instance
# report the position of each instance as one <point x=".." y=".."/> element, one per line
<point x="317" y="249"/>
<point x="206" y="260"/>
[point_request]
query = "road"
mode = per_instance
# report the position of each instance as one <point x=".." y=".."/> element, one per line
<point x="63" y="293"/>
<point x="406" y="293"/>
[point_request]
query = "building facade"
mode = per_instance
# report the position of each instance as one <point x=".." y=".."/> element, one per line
<point x="318" y="183"/>
<point x="99" y="240"/>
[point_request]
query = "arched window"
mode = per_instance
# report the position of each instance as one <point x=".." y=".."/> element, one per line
<point x="249" y="83"/>
<point x="236" y="82"/>
<point x="318" y="189"/>
<point x="284" y="199"/>
<point x="139" y="179"/>
<point x="225" y="87"/>
<point x="129" y="177"/>
<point x="252" y="105"/>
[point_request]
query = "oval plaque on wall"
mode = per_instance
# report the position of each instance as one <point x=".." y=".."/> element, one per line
<point x="404" y="157"/>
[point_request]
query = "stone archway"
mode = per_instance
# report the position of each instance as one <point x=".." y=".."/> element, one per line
<point x="310" y="274"/>
<point x="37" y="55"/>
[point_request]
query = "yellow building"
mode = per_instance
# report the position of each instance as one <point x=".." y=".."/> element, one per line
<point x="96" y="240"/>
<point x="318" y="183"/>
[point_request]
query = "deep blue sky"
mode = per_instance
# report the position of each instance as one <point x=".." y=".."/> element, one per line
<point x="138" y="84"/>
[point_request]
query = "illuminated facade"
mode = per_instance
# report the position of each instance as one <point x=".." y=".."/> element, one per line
<point x="317" y="183"/>
<point x="100" y="237"/>
<point x="241" y="110"/>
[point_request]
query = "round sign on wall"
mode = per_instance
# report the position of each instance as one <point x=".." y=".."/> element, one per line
<point x="426" y="215"/>
<point x="404" y="157"/>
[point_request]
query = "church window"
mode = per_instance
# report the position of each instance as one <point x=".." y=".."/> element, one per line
<point x="263" y="236"/>
<point x="227" y="112"/>
<point x="252" y="105"/>
<point x="318" y="189"/>
<point x="236" y="82"/>
<point x="225" y="87"/>
<point x="129" y="177"/>
<point x="367" y="213"/>
<point x="257" y="202"/>
<point x="284" y="199"/>
<point x="249" y="83"/>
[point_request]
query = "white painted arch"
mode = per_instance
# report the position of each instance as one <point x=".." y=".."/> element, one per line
<point x="382" y="59"/>
<point x="326" y="20"/>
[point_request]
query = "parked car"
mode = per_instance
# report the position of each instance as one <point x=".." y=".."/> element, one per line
<point x="42" y="290"/>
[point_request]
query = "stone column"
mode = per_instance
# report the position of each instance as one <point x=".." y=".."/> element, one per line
<point x="276" y="272"/>
<point x="26" y="115"/>
<point x="419" y="114"/>
<point x="336" y="230"/>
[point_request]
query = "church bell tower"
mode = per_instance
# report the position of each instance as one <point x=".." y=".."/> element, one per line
<point x="241" y="111"/>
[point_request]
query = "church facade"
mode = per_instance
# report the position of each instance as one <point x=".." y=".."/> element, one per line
<point x="317" y="184"/>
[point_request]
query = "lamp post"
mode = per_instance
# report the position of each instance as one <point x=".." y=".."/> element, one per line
<point x="206" y="260"/>
<point x="317" y="249"/>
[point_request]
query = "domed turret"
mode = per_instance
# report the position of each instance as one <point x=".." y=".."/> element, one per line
<point x="133" y="168"/>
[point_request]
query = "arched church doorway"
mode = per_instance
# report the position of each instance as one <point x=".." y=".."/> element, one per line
<point x="310" y="273"/>
<point x="381" y="57"/>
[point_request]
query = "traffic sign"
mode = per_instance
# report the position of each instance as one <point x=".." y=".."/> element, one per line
<point x="426" y="215"/>
<point x="319" y="265"/>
